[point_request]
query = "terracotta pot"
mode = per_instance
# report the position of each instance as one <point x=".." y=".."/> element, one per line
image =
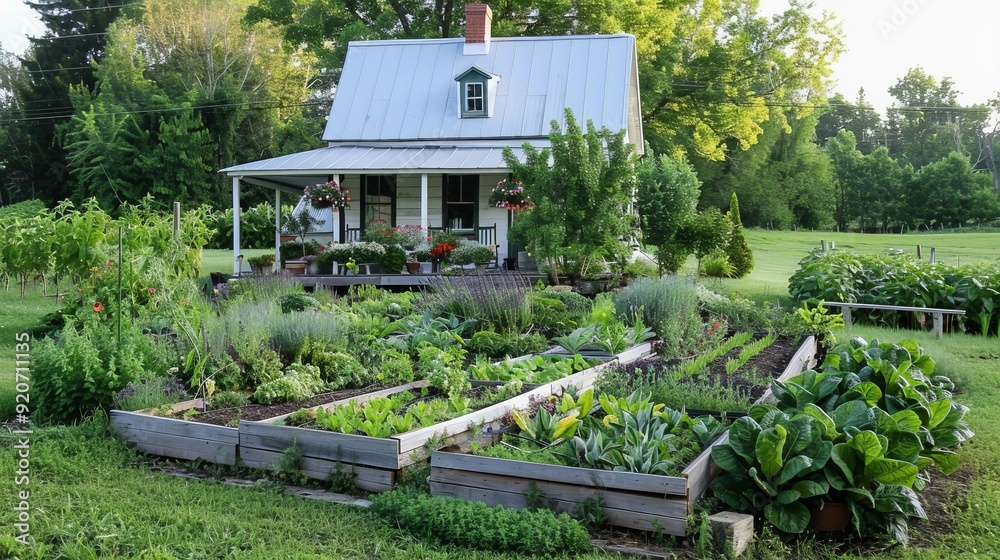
<point x="412" y="267"/>
<point x="831" y="517"/>
<point x="286" y="238"/>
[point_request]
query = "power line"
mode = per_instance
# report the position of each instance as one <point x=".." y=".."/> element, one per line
<point x="252" y="105"/>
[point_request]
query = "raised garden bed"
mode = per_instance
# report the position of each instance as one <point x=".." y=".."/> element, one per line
<point x="375" y="461"/>
<point x="175" y="438"/>
<point x="647" y="502"/>
<point x="210" y="436"/>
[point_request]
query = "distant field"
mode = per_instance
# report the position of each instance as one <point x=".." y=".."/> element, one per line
<point x="777" y="254"/>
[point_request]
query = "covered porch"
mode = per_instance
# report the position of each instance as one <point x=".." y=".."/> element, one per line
<point x="434" y="187"/>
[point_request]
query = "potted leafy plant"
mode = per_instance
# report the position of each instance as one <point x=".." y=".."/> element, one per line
<point x="299" y="225"/>
<point x="471" y="253"/>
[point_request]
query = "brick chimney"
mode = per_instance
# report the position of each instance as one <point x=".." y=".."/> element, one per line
<point x="478" y="21"/>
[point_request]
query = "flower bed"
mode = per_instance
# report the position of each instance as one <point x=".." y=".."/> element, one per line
<point x="633" y="500"/>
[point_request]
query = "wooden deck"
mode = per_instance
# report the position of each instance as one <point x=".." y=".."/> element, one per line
<point x="402" y="282"/>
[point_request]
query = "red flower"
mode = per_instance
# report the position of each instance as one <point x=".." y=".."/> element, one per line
<point x="152" y="290"/>
<point x="98" y="306"/>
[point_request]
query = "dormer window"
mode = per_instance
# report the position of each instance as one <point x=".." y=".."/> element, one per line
<point x="477" y="91"/>
<point x="474" y="98"/>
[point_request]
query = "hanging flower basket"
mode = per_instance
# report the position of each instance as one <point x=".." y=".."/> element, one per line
<point x="510" y="195"/>
<point x="327" y="195"/>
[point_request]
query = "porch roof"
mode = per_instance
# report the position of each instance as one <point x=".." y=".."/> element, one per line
<point x="382" y="159"/>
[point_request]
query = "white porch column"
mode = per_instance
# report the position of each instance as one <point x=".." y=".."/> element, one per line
<point x="337" y="217"/>
<point x="423" y="201"/>
<point x="277" y="230"/>
<point x="236" y="226"/>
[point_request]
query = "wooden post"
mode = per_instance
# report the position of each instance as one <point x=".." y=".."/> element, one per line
<point x="847" y="316"/>
<point x="938" y="324"/>
<point x="932" y="254"/>
<point x="918" y="252"/>
<point x="177" y="218"/>
<point x="236" y="227"/>
<point x="277" y="231"/>
<point x="423" y="202"/>
<point x="822" y="245"/>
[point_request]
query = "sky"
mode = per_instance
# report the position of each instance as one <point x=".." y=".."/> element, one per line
<point x="884" y="38"/>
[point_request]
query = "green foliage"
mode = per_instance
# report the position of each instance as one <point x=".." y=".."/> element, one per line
<point x="669" y="305"/>
<point x="150" y="393"/>
<point x="667" y="198"/>
<point x="471" y="253"/>
<point x="899" y="280"/>
<point x="591" y="513"/>
<point x="537" y="369"/>
<point x="705" y="232"/>
<point x="443" y="368"/>
<point x="394" y="368"/>
<point x="716" y="264"/>
<point x="229" y="399"/>
<point x="293" y="303"/>
<point x="451" y="521"/>
<point x="581" y="197"/>
<point x="737" y="249"/>
<point x="83" y="368"/>
<point x="256" y="228"/>
<point x="298" y="383"/>
<point x="498" y="302"/>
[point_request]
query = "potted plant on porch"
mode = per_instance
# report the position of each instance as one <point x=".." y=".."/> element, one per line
<point x="299" y="225"/>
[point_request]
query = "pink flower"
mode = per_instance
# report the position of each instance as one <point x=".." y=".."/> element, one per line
<point x="152" y="290"/>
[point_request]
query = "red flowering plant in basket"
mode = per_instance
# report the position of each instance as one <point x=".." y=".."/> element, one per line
<point x="510" y="195"/>
<point x="327" y="195"/>
<point x="442" y="251"/>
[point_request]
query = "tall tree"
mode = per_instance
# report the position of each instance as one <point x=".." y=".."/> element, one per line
<point x="667" y="198"/>
<point x="946" y="193"/>
<point x="926" y="122"/>
<point x="184" y="89"/>
<point x="62" y="58"/>
<point x="858" y="117"/>
<point x="581" y="197"/>
<point x="737" y="249"/>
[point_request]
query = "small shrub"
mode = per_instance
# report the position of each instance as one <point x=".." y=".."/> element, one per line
<point x="298" y="383"/>
<point x="443" y="368"/>
<point x="716" y="264"/>
<point x="84" y="368"/>
<point x="641" y="268"/>
<point x="395" y="368"/>
<point x="499" y="529"/>
<point x="339" y="369"/>
<point x="229" y="399"/>
<point x="576" y="304"/>
<point x="297" y="302"/>
<point x="150" y="394"/>
<point x="668" y="305"/>
<point x="737" y="249"/>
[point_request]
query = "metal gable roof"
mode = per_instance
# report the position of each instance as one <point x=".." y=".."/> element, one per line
<point x="405" y="89"/>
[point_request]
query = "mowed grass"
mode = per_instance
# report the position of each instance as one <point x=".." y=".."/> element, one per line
<point x="17" y="316"/>
<point x="93" y="498"/>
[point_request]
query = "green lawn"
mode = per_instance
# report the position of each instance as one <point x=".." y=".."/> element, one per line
<point x="93" y="498"/>
<point x="16" y="316"/>
<point x="777" y="254"/>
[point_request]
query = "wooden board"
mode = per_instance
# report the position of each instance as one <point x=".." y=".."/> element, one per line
<point x="804" y="359"/>
<point x="594" y="478"/>
<point x="173" y="426"/>
<point x="626" y="500"/>
<point x="320" y="444"/>
<point x="365" y="478"/>
<point x="180" y="447"/>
